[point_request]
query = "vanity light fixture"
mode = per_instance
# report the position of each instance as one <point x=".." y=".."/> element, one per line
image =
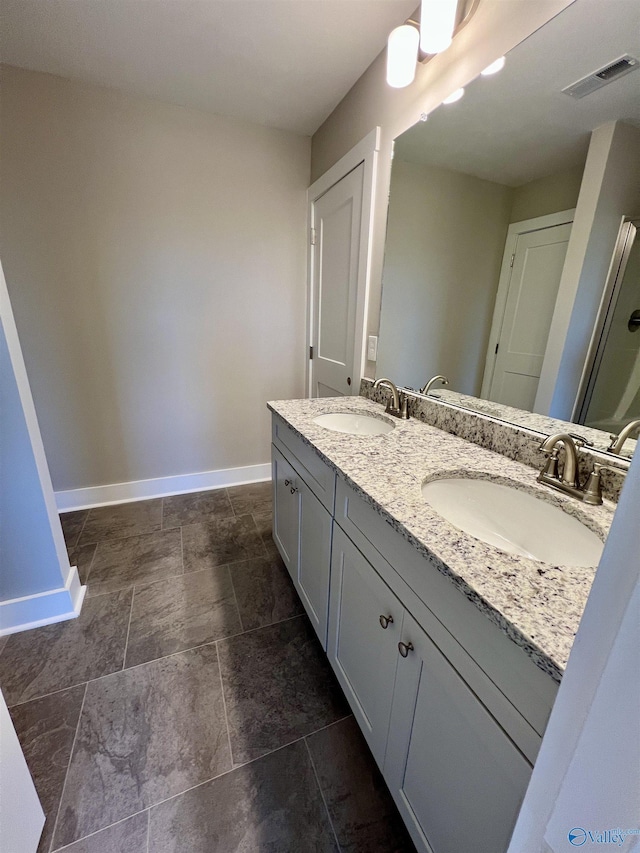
<point x="454" y="96"/>
<point x="418" y="41"/>
<point x="496" y="66"/>
<point x="437" y="23"/>
<point x="402" y="51"/>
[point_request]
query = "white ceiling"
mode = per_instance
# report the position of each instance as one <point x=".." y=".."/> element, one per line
<point x="281" y="63"/>
<point x="518" y="125"/>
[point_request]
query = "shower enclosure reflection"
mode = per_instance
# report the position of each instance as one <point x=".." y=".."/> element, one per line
<point x="612" y="396"/>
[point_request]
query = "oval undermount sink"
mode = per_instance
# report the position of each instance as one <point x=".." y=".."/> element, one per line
<point x="514" y="521"/>
<point x="353" y="423"/>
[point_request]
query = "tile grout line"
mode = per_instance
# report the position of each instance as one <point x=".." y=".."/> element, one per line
<point x="324" y="799"/>
<point x="162" y="657"/>
<point x="84" y="524"/>
<point x="194" y="648"/>
<point x="53" y="692"/>
<point x="285" y="745"/>
<point x="224" y="706"/>
<point x="102" y="829"/>
<point x="233" y="769"/>
<point x="148" y="826"/>
<point x="200" y="784"/>
<point x="126" y="642"/>
<point x="66" y="775"/>
<point x="93" y="556"/>
<point x="235" y="598"/>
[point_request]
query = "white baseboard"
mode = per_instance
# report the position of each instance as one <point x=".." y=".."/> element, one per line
<point x="159" y="487"/>
<point x="43" y="608"/>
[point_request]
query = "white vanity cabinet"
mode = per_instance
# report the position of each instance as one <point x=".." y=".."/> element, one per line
<point x="453" y="709"/>
<point x="455" y="743"/>
<point x="303" y="496"/>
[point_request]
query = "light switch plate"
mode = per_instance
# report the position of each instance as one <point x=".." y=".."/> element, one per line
<point x="372" y="348"/>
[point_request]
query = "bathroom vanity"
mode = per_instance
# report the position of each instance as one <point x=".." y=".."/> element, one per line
<point x="449" y="650"/>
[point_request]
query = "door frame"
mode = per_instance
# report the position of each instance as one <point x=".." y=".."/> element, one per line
<point x="366" y="151"/>
<point x="515" y="230"/>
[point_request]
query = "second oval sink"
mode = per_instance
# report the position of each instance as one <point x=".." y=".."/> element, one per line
<point x="514" y="521"/>
<point x="353" y="423"/>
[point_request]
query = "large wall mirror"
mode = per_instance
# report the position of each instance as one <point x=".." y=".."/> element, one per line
<point x="482" y="204"/>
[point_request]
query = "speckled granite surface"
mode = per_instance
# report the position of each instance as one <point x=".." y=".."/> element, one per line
<point x="537" y="605"/>
<point x="515" y="440"/>
<point x="540" y="423"/>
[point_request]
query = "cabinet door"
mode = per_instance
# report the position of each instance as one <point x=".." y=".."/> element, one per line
<point x="314" y="560"/>
<point x="456" y="777"/>
<point x="362" y="652"/>
<point x="285" y="511"/>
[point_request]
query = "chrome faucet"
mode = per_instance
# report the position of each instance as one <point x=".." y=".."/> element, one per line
<point x="618" y="440"/>
<point x="425" y="389"/>
<point x="397" y="405"/>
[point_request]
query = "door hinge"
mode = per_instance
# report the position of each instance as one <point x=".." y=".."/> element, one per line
<point x="513" y="257"/>
<point x="311" y="352"/>
<point x="313" y="236"/>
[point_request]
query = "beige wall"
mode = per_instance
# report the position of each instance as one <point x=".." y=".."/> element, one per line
<point x="155" y="258"/>
<point x="445" y="240"/>
<point x="496" y="27"/>
<point x="550" y="194"/>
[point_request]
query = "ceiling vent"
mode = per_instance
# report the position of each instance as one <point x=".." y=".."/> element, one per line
<point x="597" y="79"/>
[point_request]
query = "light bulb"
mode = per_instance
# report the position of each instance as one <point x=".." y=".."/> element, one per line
<point x="454" y="96"/>
<point x="437" y="22"/>
<point x="496" y="66"/>
<point x="402" y="54"/>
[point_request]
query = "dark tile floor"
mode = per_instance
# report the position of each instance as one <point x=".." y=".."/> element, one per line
<point x="190" y="708"/>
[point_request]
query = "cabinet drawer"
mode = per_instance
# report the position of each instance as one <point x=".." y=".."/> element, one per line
<point x="460" y="629"/>
<point x="320" y="478"/>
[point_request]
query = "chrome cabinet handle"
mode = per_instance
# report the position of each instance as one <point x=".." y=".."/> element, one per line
<point x="385" y="621"/>
<point x="293" y="490"/>
<point x="287" y="482"/>
<point x="405" y="648"/>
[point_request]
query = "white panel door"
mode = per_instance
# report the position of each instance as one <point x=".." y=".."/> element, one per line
<point x="337" y="219"/>
<point x="537" y="266"/>
<point x="456" y="777"/>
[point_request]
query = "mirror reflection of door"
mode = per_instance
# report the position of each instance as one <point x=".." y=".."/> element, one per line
<point x="613" y="397"/>
<point x="531" y="270"/>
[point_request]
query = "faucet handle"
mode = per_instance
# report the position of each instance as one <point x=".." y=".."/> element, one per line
<point x="404" y="410"/>
<point x="593" y="486"/>
<point x="580" y="441"/>
<point x="550" y="468"/>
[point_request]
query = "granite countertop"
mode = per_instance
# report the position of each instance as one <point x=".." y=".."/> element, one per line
<point x="537" y="605"/>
